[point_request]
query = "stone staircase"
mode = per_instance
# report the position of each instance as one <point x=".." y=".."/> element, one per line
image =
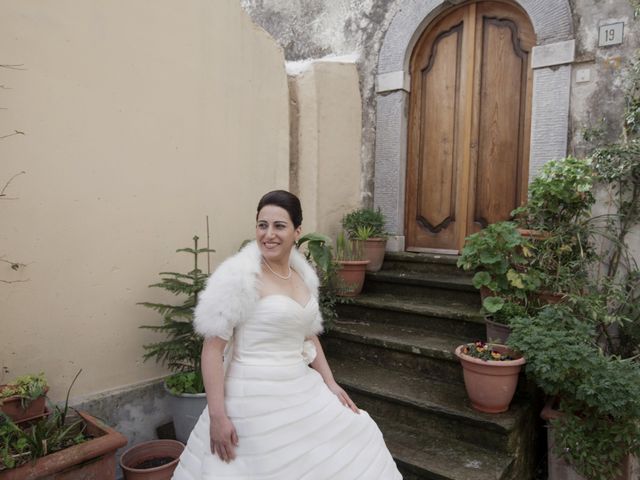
<point x="392" y="350"/>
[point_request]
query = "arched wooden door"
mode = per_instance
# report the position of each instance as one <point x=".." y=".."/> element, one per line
<point x="469" y="123"/>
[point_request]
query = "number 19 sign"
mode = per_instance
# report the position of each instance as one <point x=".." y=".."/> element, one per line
<point x="611" y="34"/>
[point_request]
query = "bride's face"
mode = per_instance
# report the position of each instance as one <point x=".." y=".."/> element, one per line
<point x="275" y="233"/>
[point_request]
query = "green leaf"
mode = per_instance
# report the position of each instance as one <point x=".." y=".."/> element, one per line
<point x="493" y="304"/>
<point x="481" y="279"/>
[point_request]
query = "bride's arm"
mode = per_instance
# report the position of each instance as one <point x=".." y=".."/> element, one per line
<point x="222" y="433"/>
<point x="321" y="365"/>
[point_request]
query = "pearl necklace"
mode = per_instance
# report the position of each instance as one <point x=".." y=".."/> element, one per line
<point x="283" y="277"/>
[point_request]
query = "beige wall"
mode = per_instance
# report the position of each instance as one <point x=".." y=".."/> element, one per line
<point x="328" y="130"/>
<point x="140" y="118"/>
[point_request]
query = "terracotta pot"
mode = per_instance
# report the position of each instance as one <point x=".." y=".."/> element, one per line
<point x="149" y="451"/>
<point x="374" y="249"/>
<point x="12" y="406"/>
<point x="496" y="332"/>
<point x="94" y="459"/>
<point x="560" y="469"/>
<point x="549" y="298"/>
<point x="351" y="275"/>
<point x="490" y="384"/>
<point x="533" y="234"/>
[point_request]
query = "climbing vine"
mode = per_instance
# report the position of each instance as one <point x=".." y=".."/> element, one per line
<point x="618" y="168"/>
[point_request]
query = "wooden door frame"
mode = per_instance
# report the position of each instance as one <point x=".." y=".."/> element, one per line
<point x="550" y="116"/>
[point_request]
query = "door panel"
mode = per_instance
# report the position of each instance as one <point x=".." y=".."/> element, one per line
<point x="467" y="162"/>
<point x="433" y="150"/>
<point x="436" y="180"/>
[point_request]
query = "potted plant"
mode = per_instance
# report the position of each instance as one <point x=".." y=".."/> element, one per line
<point x="596" y="425"/>
<point x="367" y="225"/>
<point x="352" y="264"/>
<point x="180" y="352"/>
<point x="24" y="398"/>
<point x="152" y="460"/>
<point x="62" y="444"/>
<point x="502" y="259"/>
<point x="320" y="254"/>
<point x="490" y="375"/>
<point x="557" y="219"/>
<point x="562" y="194"/>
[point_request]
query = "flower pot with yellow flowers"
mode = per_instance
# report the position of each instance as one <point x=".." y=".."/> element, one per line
<point x="490" y="375"/>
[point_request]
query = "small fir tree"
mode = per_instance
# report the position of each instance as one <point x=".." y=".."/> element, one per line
<point x="180" y="352"/>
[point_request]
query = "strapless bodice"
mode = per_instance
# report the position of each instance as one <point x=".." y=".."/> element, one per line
<point x="274" y="335"/>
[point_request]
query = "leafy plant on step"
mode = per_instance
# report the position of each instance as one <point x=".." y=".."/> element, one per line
<point x="54" y="432"/>
<point x="320" y="254"/>
<point x="561" y="194"/>
<point x="599" y="394"/>
<point x="182" y="348"/>
<point x="372" y="220"/>
<point x="502" y="260"/>
<point x="364" y="232"/>
<point x="26" y="387"/>
<point x="348" y="250"/>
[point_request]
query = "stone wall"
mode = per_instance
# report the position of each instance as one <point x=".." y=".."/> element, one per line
<point x="597" y="99"/>
<point x="310" y="29"/>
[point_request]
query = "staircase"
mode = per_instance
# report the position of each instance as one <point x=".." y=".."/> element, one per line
<point x="392" y="350"/>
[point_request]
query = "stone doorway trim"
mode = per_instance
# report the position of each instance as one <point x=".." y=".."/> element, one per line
<point x="552" y="58"/>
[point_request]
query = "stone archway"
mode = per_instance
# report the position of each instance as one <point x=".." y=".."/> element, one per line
<point x="552" y="58"/>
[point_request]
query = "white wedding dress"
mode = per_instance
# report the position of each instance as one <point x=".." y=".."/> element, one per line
<point x="290" y="425"/>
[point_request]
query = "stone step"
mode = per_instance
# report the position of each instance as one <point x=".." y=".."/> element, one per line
<point x="432" y="312"/>
<point x="444" y="285"/>
<point x="422" y="262"/>
<point x="442" y="409"/>
<point x="398" y="348"/>
<point x="423" y="456"/>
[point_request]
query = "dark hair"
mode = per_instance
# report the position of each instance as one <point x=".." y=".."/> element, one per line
<point x="283" y="199"/>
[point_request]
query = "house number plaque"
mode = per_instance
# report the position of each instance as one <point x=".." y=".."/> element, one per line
<point x="611" y="34"/>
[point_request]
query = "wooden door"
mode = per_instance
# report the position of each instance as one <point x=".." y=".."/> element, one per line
<point x="469" y="124"/>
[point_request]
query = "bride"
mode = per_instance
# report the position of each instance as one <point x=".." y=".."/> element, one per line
<point x="269" y="416"/>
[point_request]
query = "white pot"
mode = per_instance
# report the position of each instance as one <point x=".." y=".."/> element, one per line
<point x="186" y="408"/>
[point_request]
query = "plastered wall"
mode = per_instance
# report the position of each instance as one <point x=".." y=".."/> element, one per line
<point x="327" y="130"/>
<point x="140" y="118"/>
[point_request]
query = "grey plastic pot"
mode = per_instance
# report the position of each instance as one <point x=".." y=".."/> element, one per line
<point x="186" y="408"/>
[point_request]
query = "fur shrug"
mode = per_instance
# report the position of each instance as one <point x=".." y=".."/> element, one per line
<point x="233" y="291"/>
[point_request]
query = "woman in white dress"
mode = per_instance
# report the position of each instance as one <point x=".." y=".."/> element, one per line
<point x="269" y="416"/>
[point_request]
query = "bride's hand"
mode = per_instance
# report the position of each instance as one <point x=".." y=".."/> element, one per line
<point x="223" y="438"/>
<point x="342" y="396"/>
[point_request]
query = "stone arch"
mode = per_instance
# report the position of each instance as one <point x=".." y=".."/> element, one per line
<point x="551" y="62"/>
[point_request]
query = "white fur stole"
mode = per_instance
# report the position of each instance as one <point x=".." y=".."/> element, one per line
<point x="233" y="290"/>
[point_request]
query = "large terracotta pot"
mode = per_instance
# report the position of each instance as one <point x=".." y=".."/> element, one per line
<point x="148" y="452"/>
<point x="374" y="249"/>
<point x="490" y="384"/>
<point x="94" y="459"/>
<point x="12" y="407"/>
<point x="351" y="276"/>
